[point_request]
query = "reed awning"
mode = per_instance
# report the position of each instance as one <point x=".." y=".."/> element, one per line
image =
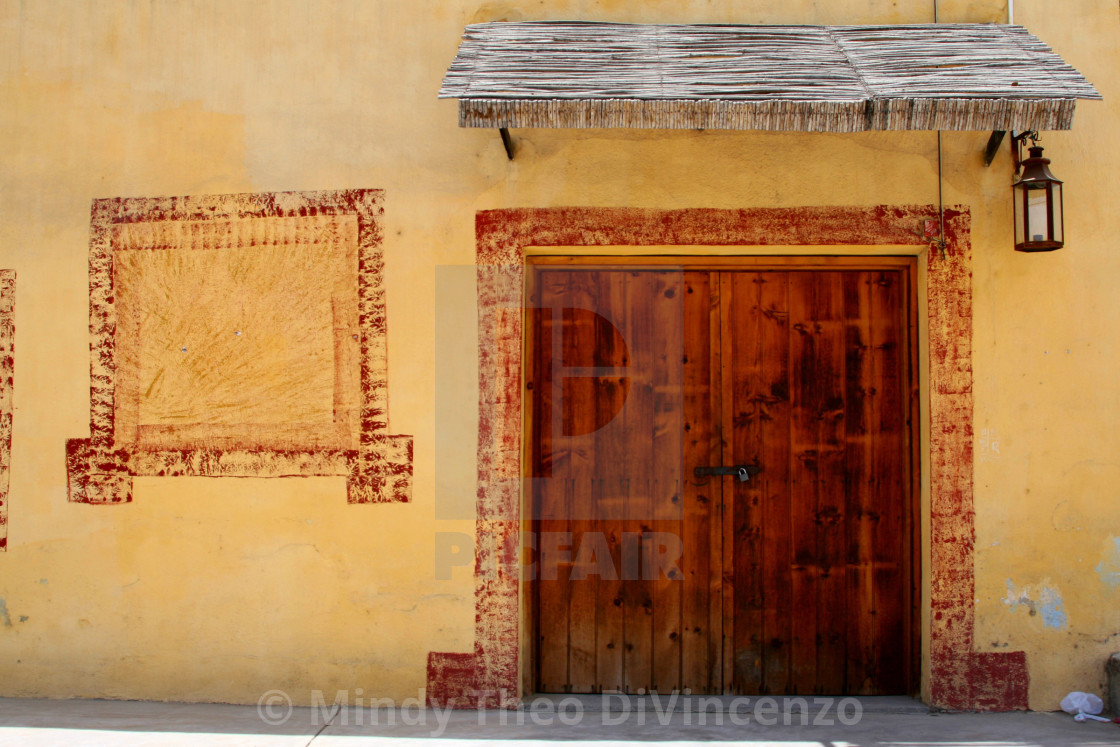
<point x="793" y="78"/>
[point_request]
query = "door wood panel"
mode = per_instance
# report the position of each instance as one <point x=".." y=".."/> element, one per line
<point x="799" y="581"/>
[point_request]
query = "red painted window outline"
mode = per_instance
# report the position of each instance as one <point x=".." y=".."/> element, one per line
<point x="379" y="470"/>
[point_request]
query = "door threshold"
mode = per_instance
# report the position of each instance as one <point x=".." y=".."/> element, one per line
<point x="614" y="702"/>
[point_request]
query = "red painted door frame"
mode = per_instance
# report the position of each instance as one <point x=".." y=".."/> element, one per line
<point x="959" y="676"/>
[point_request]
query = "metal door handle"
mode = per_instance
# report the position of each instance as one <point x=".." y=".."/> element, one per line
<point x="741" y="471"/>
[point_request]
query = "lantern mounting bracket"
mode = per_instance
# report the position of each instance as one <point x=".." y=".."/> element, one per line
<point x="996" y="139"/>
<point x="1017" y="145"/>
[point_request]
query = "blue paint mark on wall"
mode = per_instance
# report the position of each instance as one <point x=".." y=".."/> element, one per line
<point x="4" y="617"/>
<point x="1041" y="599"/>
<point x="1050" y="605"/>
<point x="1109" y="568"/>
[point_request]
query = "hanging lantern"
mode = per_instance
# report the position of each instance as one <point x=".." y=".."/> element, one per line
<point x="1038" y="206"/>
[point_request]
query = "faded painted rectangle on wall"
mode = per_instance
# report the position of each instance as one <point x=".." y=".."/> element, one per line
<point x="238" y="335"/>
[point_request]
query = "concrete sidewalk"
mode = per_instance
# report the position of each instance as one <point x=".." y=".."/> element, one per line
<point x="550" y="721"/>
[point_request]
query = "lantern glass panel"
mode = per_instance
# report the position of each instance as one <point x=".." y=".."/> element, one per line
<point x="1038" y="223"/>
<point x="1057" y="203"/>
<point x="1019" y="195"/>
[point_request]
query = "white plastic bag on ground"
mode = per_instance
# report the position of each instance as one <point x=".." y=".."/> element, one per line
<point x="1077" y="702"/>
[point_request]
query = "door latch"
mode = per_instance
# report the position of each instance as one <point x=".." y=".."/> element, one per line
<point x="741" y="471"/>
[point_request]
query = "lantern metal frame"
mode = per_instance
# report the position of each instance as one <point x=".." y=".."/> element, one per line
<point x="1034" y="176"/>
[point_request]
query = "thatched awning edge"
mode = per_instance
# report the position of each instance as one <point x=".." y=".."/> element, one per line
<point x="783" y="78"/>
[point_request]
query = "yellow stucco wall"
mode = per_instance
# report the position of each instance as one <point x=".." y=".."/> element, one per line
<point x="220" y="589"/>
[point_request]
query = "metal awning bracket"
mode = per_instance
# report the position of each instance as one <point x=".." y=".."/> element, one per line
<point x="994" y="142"/>
<point x="507" y="141"/>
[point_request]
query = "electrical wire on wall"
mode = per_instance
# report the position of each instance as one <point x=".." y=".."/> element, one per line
<point x="940" y="174"/>
<point x="940" y="158"/>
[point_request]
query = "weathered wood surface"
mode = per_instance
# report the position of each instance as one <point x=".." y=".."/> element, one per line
<point x="808" y="78"/>
<point x="796" y="582"/>
<point x="607" y="429"/>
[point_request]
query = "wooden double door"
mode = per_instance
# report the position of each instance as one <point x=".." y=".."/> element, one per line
<point x="650" y="577"/>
